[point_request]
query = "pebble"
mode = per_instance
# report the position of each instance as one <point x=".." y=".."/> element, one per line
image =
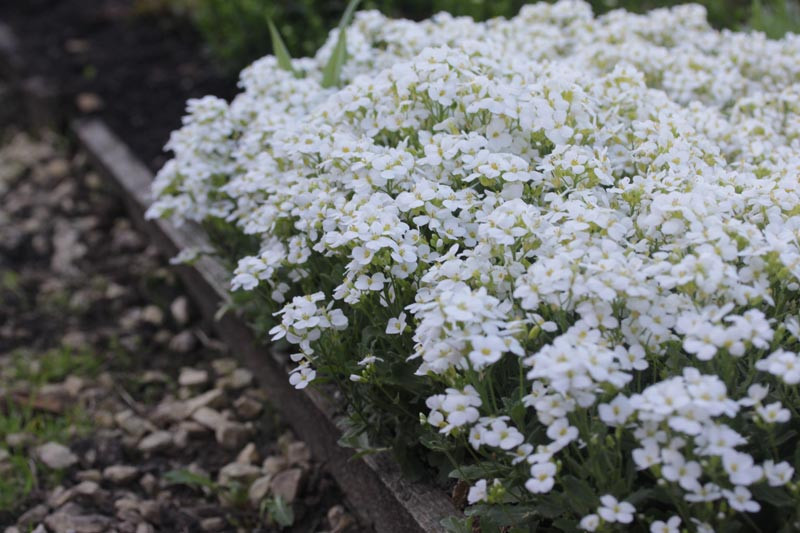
<point x="238" y="472"/>
<point x="183" y="342"/>
<point x="144" y="527"/>
<point x="249" y="455"/>
<point x="232" y="435"/>
<point x="212" y="524"/>
<point x="71" y="519"/>
<point x="121" y="474"/>
<point x="258" y="490"/>
<point x="274" y="464"/>
<point x="153" y="314"/>
<point x="224" y="366"/>
<point x="191" y="377"/>
<point x="237" y="380"/>
<point x="208" y="417"/>
<point x="32" y="516"/>
<point x="132" y="424"/>
<point x="180" y="310"/>
<point x="156" y="441"/>
<point x="89" y="475"/>
<point x="18" y="440"/>
<point x="213" y="398"/>
<point x="56" y="456"/>
<point x="286" y="484"/>
<point x="298" y="453"/>
<point x="247" y="408"/>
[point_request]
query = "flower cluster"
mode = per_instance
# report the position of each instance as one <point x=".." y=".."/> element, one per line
<point x="569" y="245"/>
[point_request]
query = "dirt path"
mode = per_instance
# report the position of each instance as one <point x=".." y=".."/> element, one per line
<point x="118" y="412"/>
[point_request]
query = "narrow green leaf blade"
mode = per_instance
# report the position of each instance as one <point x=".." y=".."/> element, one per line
<point x="279" y="48"/>
<point x="332" y="73"/>
<point x="348" y="13"/>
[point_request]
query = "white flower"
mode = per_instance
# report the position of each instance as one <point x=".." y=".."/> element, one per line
<point x="741" y="500"/>
<point x="773" y="413"/>
<point x="396" y="326"/>
<point x="617" y="412"/>
<point x="612" y="510"/>
<point x="778" y="474"/>
<point x="477" y="492"/>
<point x="589" y="522"/>
<point x="542" y="478"/>
<point x="670" y="526"/>
<point x="302" y="376"/>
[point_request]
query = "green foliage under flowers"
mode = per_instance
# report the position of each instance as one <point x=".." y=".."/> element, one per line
<point x="237" y="31"/>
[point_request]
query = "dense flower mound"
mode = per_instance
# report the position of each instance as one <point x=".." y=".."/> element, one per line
<point x="581" y="235"/>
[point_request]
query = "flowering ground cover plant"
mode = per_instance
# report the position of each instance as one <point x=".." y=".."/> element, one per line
<point x="560" y="252"/>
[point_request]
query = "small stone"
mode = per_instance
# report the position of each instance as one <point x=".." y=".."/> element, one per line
<point x="238" y="472"/>
<point x="87" y="488"/>
<point x="4" y="455"/>
<point x="88" y="102"/>
<point x="208" y="417"/>
<point x="156" y="441"/>
<point x="74" y="385"/>
<point x="121" y="474"/>
<point x="213" y="398"/>
<point x="247" y="408"/>
<point x="258" y="490"/>
<point x="212" y="524"/>
<point x="191" y="377"/>
<point x="232" y="435"/>
<point x="150" y="510"/>
<point x="192" y="428"/>
<point x="14" y="529"/>
<point x="128" y="509"/>
<point x="56" y="456"/>
<point x="169" y="411"/>
<point x="57" y="168"/>
<point x="153" y="314"/>
<point x="183" y="342"/>
<point x="32" y="516"/>
<point x="339" y="520"/>
<point x="144" y="527"/>
<point x="149" y="484"/>
<point x="286" y="484"/>
<point x="248" y="455"/>
<point x="71" y="519"/>
<point x="132" y="424"/>
<point x="274" y="464"/>
<point x="298" y="453"/>
<point x="114" y="291"/>
<point x="18" y="440"/>
<point x="153" y="376"/>
<point x="224" y="366"/>
<point x="241" y="378"/>
<point x="180" y="310"/>
<point x="89" y="475"/>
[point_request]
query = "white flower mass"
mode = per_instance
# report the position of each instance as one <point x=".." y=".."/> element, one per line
<point x="622" y="190"/>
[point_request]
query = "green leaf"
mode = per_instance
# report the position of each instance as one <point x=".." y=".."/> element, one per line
<point x="190" y="479"/>
<point x="581" y="496"/>
<point x="279" y="48"/>
<point x="332" y="73"/>
<point x="280" y="512"/>
<point x="456" y="524"/>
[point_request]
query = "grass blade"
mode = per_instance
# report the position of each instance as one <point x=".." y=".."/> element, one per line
<point x="332" y="73"/>
<point x="279" y="48"/>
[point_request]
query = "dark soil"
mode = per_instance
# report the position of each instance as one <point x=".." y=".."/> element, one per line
<point x="143" y="65"/>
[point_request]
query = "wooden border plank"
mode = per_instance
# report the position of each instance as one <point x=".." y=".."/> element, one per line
<point x="373" y="484"/>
